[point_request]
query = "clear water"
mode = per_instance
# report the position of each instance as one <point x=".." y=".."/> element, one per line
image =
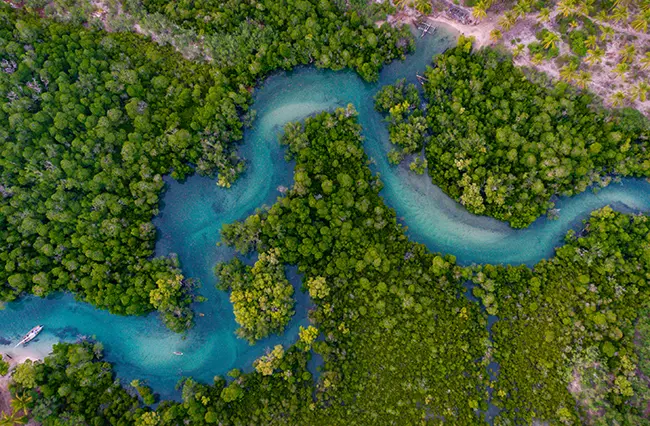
<point x="192" y="214"/>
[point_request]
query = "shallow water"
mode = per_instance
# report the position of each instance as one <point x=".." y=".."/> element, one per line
<point x="193" y="212"/>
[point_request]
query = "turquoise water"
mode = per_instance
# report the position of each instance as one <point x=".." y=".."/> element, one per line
<point x="193" y="212"/>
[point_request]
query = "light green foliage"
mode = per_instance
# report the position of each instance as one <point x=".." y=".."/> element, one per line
<point x="4" y="366"/>
<point x="399" y="341"/>
<point x="145" y="392"/>
<point x="269" y="362"/>
<point x="262" y="297"/>
<point x="407" y="125"/>
<point x="74" y="383"/>
<point x="566" y="328"/>
<point x="24" y="374"/>
<point x="165" y="298"/>
<point x="503" y="145"/>
<point x="307" y="336"/>
<point x="317" y="287"/>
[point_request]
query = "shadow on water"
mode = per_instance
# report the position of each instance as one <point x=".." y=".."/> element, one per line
<point x="192" y="213"/>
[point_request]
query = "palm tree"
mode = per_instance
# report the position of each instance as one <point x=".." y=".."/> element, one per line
<point x="550" y="38"/>
<point x="641" y="21"/>
<point x="591" y="42"/>
<point x="606" y="32"/>
<point x="21" y="403"/>
<point x="627" y="53"/>
<point x="401" y="4"/>
<point x="566" y="7"/>
<point x="594" y="56"/>
<point x="618" y="98"/>
<point x="544" y="14"/>
<point x="640" y="91"/>
<point x="495" y="35"/>
<point x="621" y="69"/>
<point x="522" y="8"/>
<point x="569" y="71"/>
<point x="507" y="20"/>
<point x="537" y="58"/>
<point x="12" y="419"/>
<point x="423" y="6"/>
<point x="620" y="14"/>
<point x="645" y="61"/>
<point x="583" y="79"/>
<point x="480" y="9"/>
<point x="518" y="49"/>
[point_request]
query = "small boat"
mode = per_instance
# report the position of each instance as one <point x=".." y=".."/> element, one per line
<point x="178" y="353"/>
<point x="30" y="336"/>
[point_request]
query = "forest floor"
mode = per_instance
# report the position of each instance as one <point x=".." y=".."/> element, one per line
<point x="615" y="88"/>
<point x="5" y="396"/>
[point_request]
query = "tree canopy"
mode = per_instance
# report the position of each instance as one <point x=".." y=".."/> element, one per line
<point x="504" y="143"/>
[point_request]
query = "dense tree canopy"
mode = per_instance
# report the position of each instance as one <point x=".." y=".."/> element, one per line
<point x="262" y="297"/>
<point x="91" y="121"/>
<point x="503" y="143"/>
<point x="254" y="37"/>
<point x="565" y="339"/>
<point x="73" y="385"/>
<point x="400" y="343"/>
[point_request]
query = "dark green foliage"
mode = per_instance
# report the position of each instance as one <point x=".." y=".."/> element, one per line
<point x="503" y="145"/>
<point x="256" y="37"/>
<point x="90" y="124"/>
<point x="576" y="40"/>
<point x="407" y="124"/>
<point x="74" y="385"/>
<point x="566" y="327"/>
<point x="401" y="343"/>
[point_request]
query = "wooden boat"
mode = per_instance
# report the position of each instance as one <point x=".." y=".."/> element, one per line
<point x="30" y="336"/>
<point x="178" y="353"/>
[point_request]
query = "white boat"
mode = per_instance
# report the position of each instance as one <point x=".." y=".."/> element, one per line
<point x="30" y="336"/>
<point x="178" y="353"/>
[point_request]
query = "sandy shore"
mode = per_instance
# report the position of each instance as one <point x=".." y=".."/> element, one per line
<point x="480" y="31"/>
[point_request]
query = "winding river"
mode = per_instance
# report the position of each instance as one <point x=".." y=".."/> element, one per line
<point x="192" y="214"/>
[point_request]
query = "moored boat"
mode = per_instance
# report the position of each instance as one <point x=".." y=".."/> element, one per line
<point x="178" y="353"/>
<point x="31" y="335"/>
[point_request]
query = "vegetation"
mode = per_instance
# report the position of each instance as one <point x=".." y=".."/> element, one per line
<point x="400" y="343"/>
<point x="4" y="366"/>
<point x="503" y="144"/>
<point x="73" y="384"/>
<point x="252" y="38"/>
<point x="579" y="311"/>
<point x="92" y="121"/>
<point x="583" y="32"/>
<point x="261" y="295"/>
<point x="90" y="124"/>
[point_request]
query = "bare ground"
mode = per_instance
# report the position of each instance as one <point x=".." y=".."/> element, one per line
<point x="604" y="81"/>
